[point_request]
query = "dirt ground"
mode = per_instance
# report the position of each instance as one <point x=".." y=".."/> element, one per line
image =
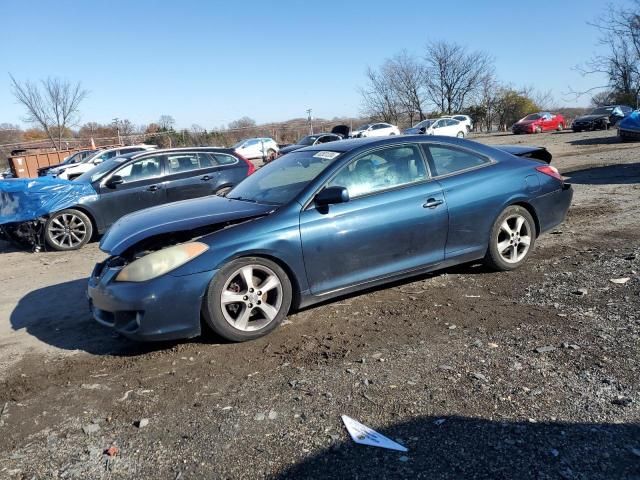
<point x="527" y="374"/>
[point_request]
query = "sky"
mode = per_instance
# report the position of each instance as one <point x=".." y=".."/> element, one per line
<point x="211" y="62"/>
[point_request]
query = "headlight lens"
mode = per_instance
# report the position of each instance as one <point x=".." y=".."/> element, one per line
<point x="161" y="262"/>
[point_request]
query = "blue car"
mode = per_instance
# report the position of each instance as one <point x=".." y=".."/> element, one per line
<point x="317" y="223"/>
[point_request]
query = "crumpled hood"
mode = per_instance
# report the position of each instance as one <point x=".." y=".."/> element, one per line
<point x="176" y="217"/>
<point x="23" y="199"/>
<point x="590" y="118"/>
<point x="632" y="122"/>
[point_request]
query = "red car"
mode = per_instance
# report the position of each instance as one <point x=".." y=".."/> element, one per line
<point x="539" y="122"/>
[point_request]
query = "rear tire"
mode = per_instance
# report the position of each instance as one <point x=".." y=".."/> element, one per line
<point x="68" y="229"/>
<point x="538" y="130"/>
<point x="248" y="298"/>
<point x="511" y="240"/>
<point x="460" y="135"/>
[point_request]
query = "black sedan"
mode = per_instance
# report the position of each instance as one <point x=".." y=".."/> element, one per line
<point x="601" y="118"/>
<point x="65" y="214"/>
<point x="310" y="140"/>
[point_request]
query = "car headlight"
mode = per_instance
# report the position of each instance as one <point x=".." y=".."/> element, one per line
<point x="161" y="262"/>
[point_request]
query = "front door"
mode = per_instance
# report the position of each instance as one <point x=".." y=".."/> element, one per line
<point x="395" y="221"/>
<point x="141" y="187"/>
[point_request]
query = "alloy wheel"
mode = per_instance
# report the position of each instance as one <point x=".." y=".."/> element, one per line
<point x="251" y="298"/>
<point x="514" y="238"/>
<point x="67" y="230"/>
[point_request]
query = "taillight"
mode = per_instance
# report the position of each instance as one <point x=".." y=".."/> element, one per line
<point x="252" y="167"/>
<point x="551" y="171"/>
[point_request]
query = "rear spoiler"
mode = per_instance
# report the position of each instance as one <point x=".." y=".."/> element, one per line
<point x="537" y="153"/>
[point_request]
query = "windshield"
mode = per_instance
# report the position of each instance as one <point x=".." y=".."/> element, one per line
<point x="602" y="111"/>
<point x="533" y="116"/>
<point x="278" y="182"/>
<point x="424" y="124"/>
<point x="363" y="127"/>
<point x="96" y="173"/>
<point x="239" y="144"/>
<point x="308" y="140"/>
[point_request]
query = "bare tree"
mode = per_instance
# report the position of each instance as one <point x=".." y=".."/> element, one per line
<point x="454" y="74"/>
<point x="244" y="122"/>
<point x="619" y="29"/>
<point x="53" y="104"/>
<point x="379" y="98"/>
<point x="166" y="122"/>
<point x="408" y="78"/>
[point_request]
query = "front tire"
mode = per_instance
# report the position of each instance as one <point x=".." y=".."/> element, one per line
<point x="560" y="127"/>
<point x="248" y="298"/>
<point x="460" y="135"/>
<point x="511" y="240"/>
<point x="68" y="230"/>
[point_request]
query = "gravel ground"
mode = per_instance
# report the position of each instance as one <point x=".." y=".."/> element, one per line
<point x="525" y="374"/>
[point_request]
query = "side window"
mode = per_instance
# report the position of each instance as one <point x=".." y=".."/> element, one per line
<point x="325" y="139"/>
<point x="123" y="151"/>
<point x="378" y="126"/>
<point x="224" y="159"/>
<point x="182" y="162"/>
<point x="140" y="170"/>
<point x="383" y="169"/>
<point x="107" y="155"/>
<point x="438" y="124"/>
<point x="450" y="160"/>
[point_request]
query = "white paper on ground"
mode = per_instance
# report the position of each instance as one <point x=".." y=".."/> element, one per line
<point x="365" y="436"/>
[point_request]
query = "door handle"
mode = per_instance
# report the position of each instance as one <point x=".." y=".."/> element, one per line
<point x="205" y="178"/>
<point x="153" y="188"/>
<point x="432" y="203"/>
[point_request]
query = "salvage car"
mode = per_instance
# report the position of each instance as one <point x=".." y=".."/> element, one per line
<point x="538" y="123"/>
<point x="72" y="159"/>
<point x="464" y="119"/>
<point x="601" y="118"/>
<point x="73" y="171"/>
<point x="321" y="222"/>
<point x="65" y="214"/>
<point x="629" y="127"/>
<point x="448" y="127"/>
<point x="309" y="140"/>
<point x="375" y="130"/>
<point x="254" y="148"/>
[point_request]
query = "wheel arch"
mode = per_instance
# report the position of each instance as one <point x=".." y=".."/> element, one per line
<point x="295" y="283"/>
<point x="532" y="211"/>
<point x="89" y="214"/>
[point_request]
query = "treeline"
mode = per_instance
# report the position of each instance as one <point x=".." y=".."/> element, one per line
<point x="447" y="79"/>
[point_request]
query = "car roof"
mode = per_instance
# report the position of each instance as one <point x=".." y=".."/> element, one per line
<point x="355" y="143"/>
<point x="176" y="150"/>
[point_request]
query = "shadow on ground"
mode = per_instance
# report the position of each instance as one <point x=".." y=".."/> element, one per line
<point x="59" y="315"/>
<point x="458" y="447"/>
<point x="614" y="174"/>
<point x="613" y="139"/>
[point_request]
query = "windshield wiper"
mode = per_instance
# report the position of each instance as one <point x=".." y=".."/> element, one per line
<point x="242" y="199"/>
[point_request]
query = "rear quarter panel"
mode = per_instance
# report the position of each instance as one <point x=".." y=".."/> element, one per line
<point x="476" y="198"/>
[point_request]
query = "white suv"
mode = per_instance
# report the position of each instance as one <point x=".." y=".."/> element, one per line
<point x="464" y="119"/>
<point x="252" y="148"/>
<point x="72" y="171"/>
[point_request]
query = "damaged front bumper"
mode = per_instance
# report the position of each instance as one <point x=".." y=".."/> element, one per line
<point x="164" y="308"/>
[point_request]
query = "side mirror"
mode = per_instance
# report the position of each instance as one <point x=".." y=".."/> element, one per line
<point x="113" y="181"/>
<point x="332" y="195"/>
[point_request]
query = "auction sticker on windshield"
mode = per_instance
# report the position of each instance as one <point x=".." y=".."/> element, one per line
<point x="327" y="155"/>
